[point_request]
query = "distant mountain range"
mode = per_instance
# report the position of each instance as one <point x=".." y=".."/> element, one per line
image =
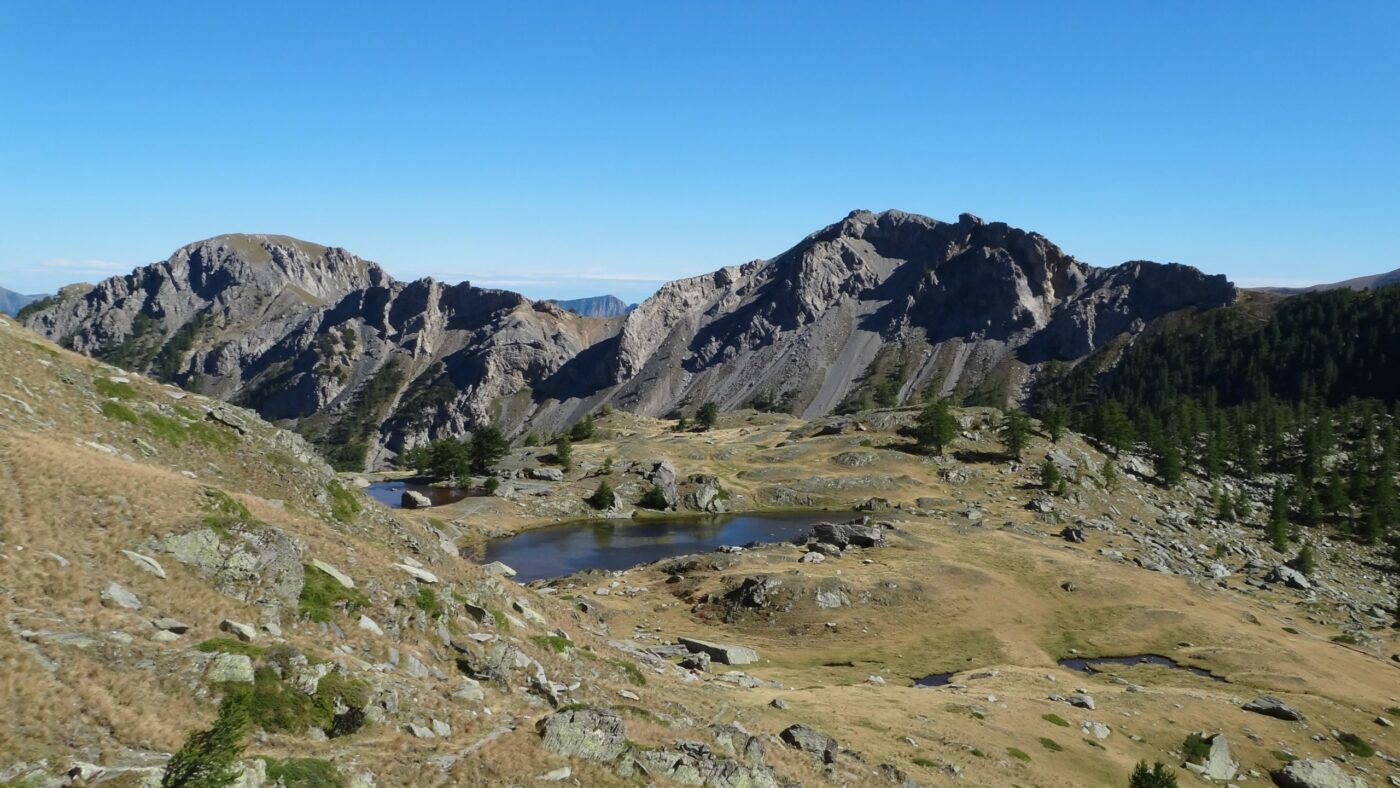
<point x="878" y="307"/>
<point x="1359" y="283"/>
<point x="597" y="306"/>
<point x="11" y="302"/>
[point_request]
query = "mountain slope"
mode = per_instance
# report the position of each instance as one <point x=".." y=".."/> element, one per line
<point x="11" y="302"/>
<point x="887" y="306"/>
<point x="1359" y="283"/>
<point x="597" y="306"/>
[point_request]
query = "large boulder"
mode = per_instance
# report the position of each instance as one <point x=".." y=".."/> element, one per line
<point x="1315" y="774"/>
<point x="663" y="475"/>
<point x="256" y="564"/>
<point x="113" y="595"/>
<point x="230" y="669"/>
<point x="1218" y="763"/>
<point x="412" y="499"/>
<point x="1271" y="706"/>
<point x="856" y="533"/>
<point x="814" y="742"/>
<point x="720" y="652"/>
<point x="591" y="733"/>
<point x="707" y="495"/>
<point x="1290" y="577"/>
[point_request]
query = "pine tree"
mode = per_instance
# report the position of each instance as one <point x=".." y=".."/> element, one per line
<point x="488" y="446"/>
<point x="564" y="452"/>
<point x="1278" y="519"/>
<point x="209" y="758"/>
<point x="1050" y="478"/>
<point x="1110" y="475"/>
<point x="1334" y="495"/>
<point x="1113" y="427"/>
<point x="707" y="416"/>
<point x="1054" y="422"/>
<point x="1305" y="561"/>
<point x="1169" y="463"/>
<point x="603" y="497"/>
<point x="936" y="427"/>
<point x="583" y="429"/>
<point x="1014" y="429"/>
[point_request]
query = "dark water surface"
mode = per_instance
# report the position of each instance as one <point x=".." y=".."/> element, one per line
<point x="558" y="550"/>
<point x="391" y="493"/>
<point x="1090" y="664"/>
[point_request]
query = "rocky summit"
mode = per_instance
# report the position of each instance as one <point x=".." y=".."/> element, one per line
<point x="889" y="306"/>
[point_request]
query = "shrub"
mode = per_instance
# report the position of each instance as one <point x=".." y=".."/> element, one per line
<point x="1305" y="561"/>
<point x="1355" y="745"/>
<point x="1055" y="719"/>
<point x="1156" y="776"/>
<point x="209" y="759"/>
<point x="1286" y="757"/>
<point x="1018" y="754"/>
<point x="277" y="706"/>
<point x="491" y="485"/>
<point x="427" y="601"/>
<point x="655" y="498"/>
<point x="634" y="673"/>
<point x="322" y="594"/>
<point x="553" y="643"/>
<point x="582" y="429"/>
<point x="303" y="773"/>
<point x="1051" y="744"/>
<point x="603" y="497"/>
<point x="1195" y="749"/>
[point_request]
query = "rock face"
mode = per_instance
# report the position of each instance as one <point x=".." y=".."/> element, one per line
<point x="595" y="734"/>
<point x="1270" y="706"/>
<point x="1315" y="774"/>
<point x="331" y="344"/>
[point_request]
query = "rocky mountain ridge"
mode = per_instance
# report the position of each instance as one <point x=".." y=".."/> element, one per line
<point x="597" y="306"/>
<point x="889" y="304"/>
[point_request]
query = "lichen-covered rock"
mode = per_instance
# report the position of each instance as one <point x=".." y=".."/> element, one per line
<point x="257" y="564"/>
<point x="591" y="733"/>
<point x="1315" y="774"/>
<point x="810" y="741"/>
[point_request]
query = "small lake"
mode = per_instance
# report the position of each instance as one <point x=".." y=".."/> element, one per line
<point x="558" y="550"/>
<point x="391" y="493"/>
<point x="1091" y="664"/>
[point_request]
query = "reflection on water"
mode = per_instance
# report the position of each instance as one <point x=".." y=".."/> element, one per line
<point x="617" y="544"/>
<point x="391" y="493"/>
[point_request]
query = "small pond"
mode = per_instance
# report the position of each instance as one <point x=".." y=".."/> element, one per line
<point x="557" y="550"/>
<point x="1091" y="664"/>
<point x="935" y="680"/>
<point x="391" y="493"/>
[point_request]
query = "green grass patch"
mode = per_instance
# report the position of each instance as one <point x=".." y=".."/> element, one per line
<point x="277" y="706"/>
<point x="322" y="596"/>
<point x="634" y="673"/>
<point x="344" y="503"/>
<point x="1346" y="640"/>
<point x="1051" y="745"/>
<point x="502" y="623"/>
<point x="553" y="643"/>
<point x="926" y="763"/>
<point x="1018" y="754"/>
<point x="228" y="646"/>
<point x="1291" y="631"/>
<point x="118" y="412"/>
<point x="114" y="390"/>
<point x="303" y="773"/>
<point x="427" y="601"/>
<point x="1355" y="745"/>
<point x="1195" y="749"/>
<point x="1393" y="710"/>
<point x="1055" y="719"/>
<point x="224" y="512"/>
<point x="1094" y="744"/>
<point x="1285" y="757"/>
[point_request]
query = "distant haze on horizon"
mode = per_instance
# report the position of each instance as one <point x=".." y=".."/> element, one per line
<point x="569" y="151"/>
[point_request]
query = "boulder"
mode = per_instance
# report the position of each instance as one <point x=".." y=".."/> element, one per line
<point x="498" y="569"/>
<point x="230" y="668"/>
<point x="113" y="595"/>
<point x="1072" y="534"/>
<point x="412" y="499"/>
<point x="810" y="741"/>
<point x="852" y="534"/>
<point x="418" y="573"/>
<point x="545" y="474"/>
<point x="720" y="652"/>
<point x="241" y="631"/>
<point x="167" y="624"/>
<point x="591" y="733"/>
<point x="1290" y="577"/>
<point x="339" y="576"/>
<point x="1078" y="700"/>
<point x="1218" y="763"/>
<point x="1315" y="774"/>
<point x="1271" y="706"/>
<point x="146" y="562"/>
<point x="755" y="591"/>
<point x="663" y="475"/>
<point x="708" y="495"/>
<point x="832" y="593"/>
<point x="261" y="565"/>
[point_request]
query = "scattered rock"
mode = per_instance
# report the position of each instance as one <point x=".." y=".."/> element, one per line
<point x="368" y="625"/>
<point x="1290" y="577"/>
<point x="1078" y="700"/>
<point x="498" y="569"/>
<point x="146" y="562"/>
<point x="856" y="533"/>
<point x="591" y="733"/>
<point x="243" y="632"/>
<point x="810" y="741"/>
<point x="230" y="668"/>
<point x="113" y="595"/>
<point x="340" y="577"/>
<point x="545" y="474"/>
<point x="779" y="703"/>
<point x="167" y="624"/>
<point x="418" y="573"/>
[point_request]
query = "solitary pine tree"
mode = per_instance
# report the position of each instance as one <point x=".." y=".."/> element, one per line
<point x="1014" y="429"/>
<point x="603" y="497"/>
<point x="1156" y="776"/>
<point x="936" y="427"/>
<point x="1110" y="475"/>
<point x="1050" y="477"/>
<point x="708" y="415"/>
<point x="488" y="446"/>
<point x="1056" y="417"/>
<point x="564" y="452"/>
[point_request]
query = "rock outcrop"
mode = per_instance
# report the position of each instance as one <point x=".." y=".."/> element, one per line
<point x="319" y="339"/>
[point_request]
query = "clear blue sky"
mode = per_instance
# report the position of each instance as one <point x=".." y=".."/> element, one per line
<point x="581" y="148"/>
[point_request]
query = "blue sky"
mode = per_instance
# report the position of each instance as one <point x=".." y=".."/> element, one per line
<point x="573" y="149"/>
